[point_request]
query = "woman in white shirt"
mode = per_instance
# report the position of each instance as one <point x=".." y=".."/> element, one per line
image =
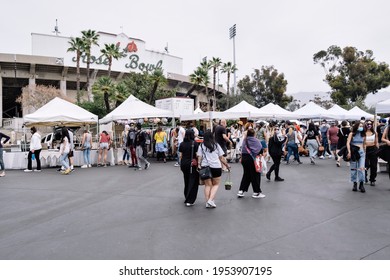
<point x="211" y="154"/>
<point x="35" y="150"/>
<point x="64" y="150"/>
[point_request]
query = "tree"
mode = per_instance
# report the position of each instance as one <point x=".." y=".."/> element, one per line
<point x="77" y="46"/>
<point x="141" y="86"/>
<point x="196" y="79"/>
<point x="90" y="38"/>
<point x="215" y="63"/>
<point x="111" y="51"/>
<point x="104" y="86"/>
<point x="34" y="98"/>
<point x="266" y="86"/>
<point x="228" y="68"/>
<point x="327" y="104"/>
<point x="158" y="79"/>
<point x="352" y="74"/>
<point x="205" y="79"/>
<point x="121" y="93"/>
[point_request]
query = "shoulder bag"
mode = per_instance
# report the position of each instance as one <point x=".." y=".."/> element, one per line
<point x="205" y="172"/>
<point x="256" y="159"/>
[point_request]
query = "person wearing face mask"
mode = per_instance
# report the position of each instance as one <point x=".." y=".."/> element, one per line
<point x="275" y="145"/>
<point x="372" y="146"/>
<point x="356" y="145"/>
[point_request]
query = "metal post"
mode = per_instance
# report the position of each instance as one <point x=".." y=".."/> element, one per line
<point x="232" y="35"/>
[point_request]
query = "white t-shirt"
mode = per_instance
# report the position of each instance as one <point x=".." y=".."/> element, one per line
<point x="180" y="136"/>
<point x="71" y="140"/>
<point x="208" y="158"/>
<point x="35" y="143"/>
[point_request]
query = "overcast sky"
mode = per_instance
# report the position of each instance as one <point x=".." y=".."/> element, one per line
<point x="283" y="33"/>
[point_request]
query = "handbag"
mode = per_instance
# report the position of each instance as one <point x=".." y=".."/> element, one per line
<point x="256" y="159"/>
<point x="205" y="173"/>
<point x="321" y="148"/>
<point x="194" y="161"/>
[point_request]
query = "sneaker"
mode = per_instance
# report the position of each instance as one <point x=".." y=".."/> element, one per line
<point x="211" y="203"/>
<point x="278" y="179"/>
<point x="189" y="204"/>
<point x="28" y="170"/>
<point x="240" y="193"/>
<point x="321" y="157"/>
<point x="36" y="170"/>
<point x="300" y="162"/>
<point x="338" y="164"/>
<point x="147" y="165"/>
<point x="268" y="176"/>
<point x="372" y="184"/>
<point x="208" y="205"/>
<point x="89" y="165"/>
<point x="60" y="169"/>
<point x="258" y="195"/>
<point x="177" y="164"/>
<point x="67" y="171"/>
<point x="84" y="166"/>
<point x="72" y="169"/>
<point x="330" y="156"/>
<point x="138" y="168"/>
<point x="2" y="174"/>
<point x="312" y="160"/>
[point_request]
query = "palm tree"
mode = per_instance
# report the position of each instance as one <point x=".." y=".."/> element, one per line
<point x="106" y="87"/>
<point x="111" y="51"/>
<point x="228" y="68"/>
<point x="157" y="78"/>
<point x="121" y="93"/>
<point x="77" y="46"/>
<point x="215" y="63"/>
<point x="196" y="79"/>
<point x="90" y="38"/>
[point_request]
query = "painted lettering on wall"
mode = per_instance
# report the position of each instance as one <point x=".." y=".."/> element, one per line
<point x="134" y="62"/>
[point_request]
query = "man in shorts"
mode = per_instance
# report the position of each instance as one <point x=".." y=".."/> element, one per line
<point x="333" y="138"/>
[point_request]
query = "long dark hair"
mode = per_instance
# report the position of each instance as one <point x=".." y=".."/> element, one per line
<point x="189" y="136"/>
<point x="64" y="133"/>
<point x="208" y="140"/>
<point x="355" y="129"/>
<point x="312" y="126"/>
<point x="371" y="128"/>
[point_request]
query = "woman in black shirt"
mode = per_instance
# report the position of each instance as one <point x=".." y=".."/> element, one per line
<point x="188" y="149"/>
<point x="343" y="136"/>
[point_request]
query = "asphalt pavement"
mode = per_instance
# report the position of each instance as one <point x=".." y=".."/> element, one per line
<point x="119" y="213"/>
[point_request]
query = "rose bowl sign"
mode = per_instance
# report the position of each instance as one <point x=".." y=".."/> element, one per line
<point x="135" y="57"/>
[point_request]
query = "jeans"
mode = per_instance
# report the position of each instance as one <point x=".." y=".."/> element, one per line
<point x="1" y="160"/>
<point x="126" y="154"/>
<point x="141" y="153"/>
<point x="313" y="147"/>
<point x="64" y="160"/>
<point x="87" y="155"/>
<point x="292" y="149"/>
<point x="357" y="168"/>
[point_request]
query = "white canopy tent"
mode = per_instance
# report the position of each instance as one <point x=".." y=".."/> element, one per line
<point x="198" y="111"/>
<point x="273" y="111"/>
<point x="356" y="113"/>
<point x="60" y="112"/>
<point x="312" y="111"/>
<point x="383" y="107"/>
<point x="133" y="108"/>
<point x="339" y="112"/>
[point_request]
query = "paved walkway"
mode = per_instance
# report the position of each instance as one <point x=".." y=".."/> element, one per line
<point x="119" y="213"/>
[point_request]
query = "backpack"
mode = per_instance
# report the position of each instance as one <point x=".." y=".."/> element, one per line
<point x="131" y="137"/>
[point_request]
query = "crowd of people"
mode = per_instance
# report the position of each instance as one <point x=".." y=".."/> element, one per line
<point x="203" y="155"/>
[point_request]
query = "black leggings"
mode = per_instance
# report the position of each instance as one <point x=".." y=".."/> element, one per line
<point x="371" y="162"/>
<point x="275" y="166"/>
<point x="250" y="175"/>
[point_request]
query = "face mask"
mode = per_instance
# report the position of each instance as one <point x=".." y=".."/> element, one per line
<point x="360" y="129"/>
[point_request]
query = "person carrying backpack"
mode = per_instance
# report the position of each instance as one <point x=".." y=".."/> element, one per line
<point x="131" y="146"/>
<point x="140" y="148"/>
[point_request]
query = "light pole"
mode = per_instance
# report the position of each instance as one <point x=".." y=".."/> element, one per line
<point x="232" y="35"/>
